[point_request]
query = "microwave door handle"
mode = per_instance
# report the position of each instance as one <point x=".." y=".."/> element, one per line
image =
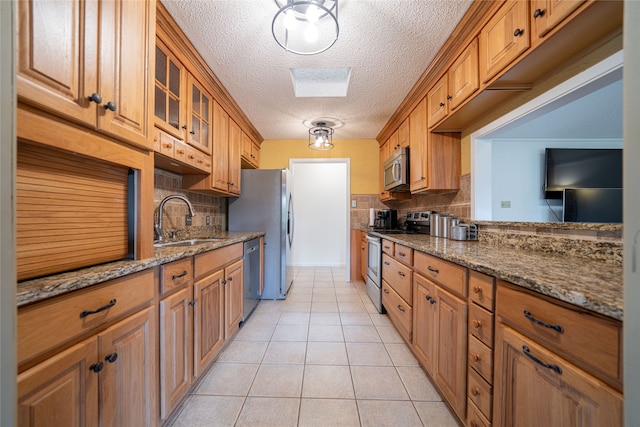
<point x="396" y="167"/>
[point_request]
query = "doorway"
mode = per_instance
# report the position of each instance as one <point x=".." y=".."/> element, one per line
<point x="321" y="192"/>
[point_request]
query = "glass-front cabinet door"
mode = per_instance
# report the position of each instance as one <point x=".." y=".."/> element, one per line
<point x="199" y="120"/>
<point x="169" y="92"/>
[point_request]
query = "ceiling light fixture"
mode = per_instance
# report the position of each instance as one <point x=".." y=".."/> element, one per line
<point x="306" y="27"/>
<point x="320" y="137"/>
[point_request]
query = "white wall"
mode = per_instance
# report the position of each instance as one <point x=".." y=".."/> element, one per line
<point x="320" y="199"/>
<point x="631" y="213"/>
<point x="517" y="176"/>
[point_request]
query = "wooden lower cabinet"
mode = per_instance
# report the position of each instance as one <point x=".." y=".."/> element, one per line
<point x="535" y="387"/>
<point x="233" y="297"/>
<point x="425" y="322"/>
<point x="208" y="320"/>
<point x="109" y="379"/>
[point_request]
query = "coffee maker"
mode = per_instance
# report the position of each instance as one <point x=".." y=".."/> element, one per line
<point x="387" y="219"/>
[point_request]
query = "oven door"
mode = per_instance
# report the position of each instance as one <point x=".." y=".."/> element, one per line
<point x="374" y="260"/>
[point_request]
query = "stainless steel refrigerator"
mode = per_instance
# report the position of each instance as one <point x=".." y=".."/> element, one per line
<point x="266" y="204"/>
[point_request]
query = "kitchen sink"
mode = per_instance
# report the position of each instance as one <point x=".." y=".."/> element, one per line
<point x="189" y="242"/>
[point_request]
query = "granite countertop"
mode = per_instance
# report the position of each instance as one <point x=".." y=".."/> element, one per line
<point x="31" y="291"/>
<point x="590" y="284"/>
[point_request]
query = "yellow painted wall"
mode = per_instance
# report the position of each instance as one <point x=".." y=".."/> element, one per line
<point x="364" y="155"/>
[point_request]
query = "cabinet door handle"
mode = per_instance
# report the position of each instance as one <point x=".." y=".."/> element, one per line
<point x="538" y="13"/>
<point x="477" y="324"/>
<point x="401" y="273"/>
<point x="402" y="254"/>
<point x="556" y="328"/>
<point x="475" y="391"/>
<point x="475" y="357"/>
<point x="96" y="367"/>
<point x="230" y="279"/>
<point x="428" y="298"/>
<point x="95" y="97"/>
<point x="192" y="303"/>
<point x="111" y="303"/>
<point x="110" y="106"/>
<point x="433" y="269"/>
<point x="386" y="291"/>
<point x="433" y="301"/>
<point x="449" y="97"/>
<point x="518" y="32"/>
<point x="386" y="263"/>
<point x="111" y="357"/>
<point x="442" y="104"/>
<point x="177" y="276"/>
<point x="401" y="308"/>
<point x="477" y="289"/>
<point x="555" y="368"/>
<point x="193" y="132"/>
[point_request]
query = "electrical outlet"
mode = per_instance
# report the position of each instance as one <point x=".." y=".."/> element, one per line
<point x="208" y="220"/>
<point x="505" y="204"/>
<point x="187" y="219"/>
<point x="354" y="204"/>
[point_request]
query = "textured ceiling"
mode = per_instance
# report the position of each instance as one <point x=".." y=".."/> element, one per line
<point x="387" y="44"/>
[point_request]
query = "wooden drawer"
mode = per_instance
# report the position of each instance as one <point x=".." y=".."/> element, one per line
<point x="482" y="289"/>
<point x="167" y="145"/>
<point x="400" y="313"/>
<point x="584" y="338"/>
<point x="175" y="275"/>
<point x="388" y="247"/>
<point x="50" y="324"/>
<point x="399" y="277"/>
<point x="481" y="359"/>
<point x="445" y="273"/>
<point x="208" y="262"/>
<point x="180" y="151"/>
<point x="403" y="254"/>
<point x="475" y="417"/>
<point x="480" y="392"/>
<point x="481" y="324"/>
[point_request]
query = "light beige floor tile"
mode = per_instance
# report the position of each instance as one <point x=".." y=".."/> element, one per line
<point x="300" y="297"/>
<point x="277" y="381"/>
<point x="323" y="298"/>
<point x="418" y="384"/>
<point x="368" y="383"/>
<point x="209" y="411"/>
<point x="380" y="319"/>
<point x="326" y="353"/>
<point x="332" y="319"/>
<point x="290" y="333"/>
<point x="270" y="306"/>
<point x="244" y="352"/>
<point x="324" y="307"/>
<point x="327" y="382"/>
<point x="340" y="290"/>
<point x="301" y="307"/>
<point x="323" y="282"/>
<point x="228" y="379"/>
<point x="300" y="283"/>
<point x="379" y="413"/>
<point x="389" y="334"/>
<point x="355" y="319"/>
<point x="269" y="412"/>
<point x="400" y="355"/>
<point x="264" y="318"/>
<point x="302" y="288"/>
<point x="370" y="354"/>
<point x="328" y="413"/>
<point x="348" y="298"/>
<point x="320" y="290"/>
<point x="435" y="414"/>
<point x="361" y="334"/>
<point x="351" y="307"/>
<point x="294" y="318"/>
<point x="255" y="331"/>
<point x="285" y="353"/>
<point x="325" y="333"/>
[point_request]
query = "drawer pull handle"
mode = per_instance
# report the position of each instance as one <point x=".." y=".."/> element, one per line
<point x="111" y="357"/>
<point x="177" y="276"/>
<point x="477" y="324"/>
<point x="538" y="13"/>
<point x="556" y="328"/>
<point x="402" y="254"/>
<point x="475" y="357"/>
<point x="401" y="273"/>
<point x="475" y="391"/>
<point x="477" y="289"/>
<point x="387" y="247"/>
<point x="85" y="313"/>
<point x="433" y="269"/>
<point x="557" y="369"/>
<point x="386" y="263"/>
<point x="192" y="303"/>
<point x="386" y="291"/>
<point x="96" y="367"/>
<point x="401" y="308"/>
<point x="518" y="32"/>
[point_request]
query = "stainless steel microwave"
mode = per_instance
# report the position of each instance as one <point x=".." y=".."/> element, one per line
<point x="396" y="170"/>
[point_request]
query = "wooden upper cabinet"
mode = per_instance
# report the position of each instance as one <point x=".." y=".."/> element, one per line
<point x="235" y="146"/>
<point x="546" y="14"/>
<point x="384" y="154"/>
<point x="504" y="38"/>
<point x="393" y="143"/>
<point x="250" y="151"/>
<point x="463" y="76"/>
<point x="418" y="143"/>
<point x="438" y="102"/>
<point x="170" y="92"/>
<point x="88" y="62"/>
<point x="198" y="129"/>
<point x="220" y="149"/>
<point x="403" y="134"/>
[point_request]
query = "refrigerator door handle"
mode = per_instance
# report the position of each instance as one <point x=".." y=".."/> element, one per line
<point x="290" y="220"/>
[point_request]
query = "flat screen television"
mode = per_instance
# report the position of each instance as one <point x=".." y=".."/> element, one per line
<point x="581" y="168"/>
<point x="592" y="205"/>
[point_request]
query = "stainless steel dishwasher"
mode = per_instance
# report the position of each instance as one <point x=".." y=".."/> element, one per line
<point x="252" y="251"/>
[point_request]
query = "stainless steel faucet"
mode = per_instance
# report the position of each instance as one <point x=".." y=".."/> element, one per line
<point x="157" y="223"/>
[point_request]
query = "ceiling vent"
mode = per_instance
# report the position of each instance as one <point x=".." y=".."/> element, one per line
<point x="320" y="82"/>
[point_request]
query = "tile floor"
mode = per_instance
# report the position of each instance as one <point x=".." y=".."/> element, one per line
<point x="324" y="357"/>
